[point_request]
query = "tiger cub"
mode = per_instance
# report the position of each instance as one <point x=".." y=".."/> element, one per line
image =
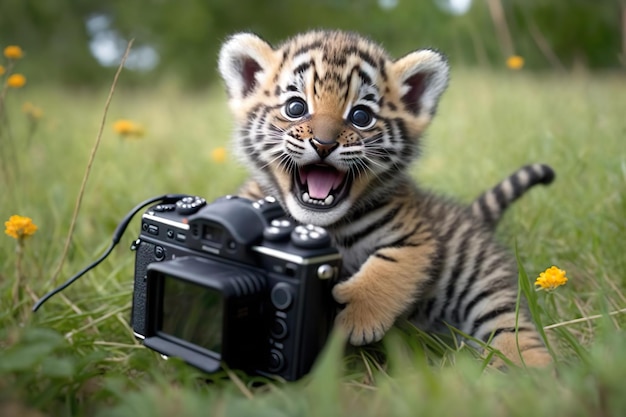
<point x="328" y="124"/>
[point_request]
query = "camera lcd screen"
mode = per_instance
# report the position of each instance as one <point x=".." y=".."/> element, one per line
<point x="192" y="313"/>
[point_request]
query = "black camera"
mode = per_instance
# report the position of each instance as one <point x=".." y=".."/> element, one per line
<point x="236" y="282"/>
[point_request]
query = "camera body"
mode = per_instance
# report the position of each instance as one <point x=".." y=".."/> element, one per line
<point x="235" y="282"/>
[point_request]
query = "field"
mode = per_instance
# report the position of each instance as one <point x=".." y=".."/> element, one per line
<point x="77" y="355"/>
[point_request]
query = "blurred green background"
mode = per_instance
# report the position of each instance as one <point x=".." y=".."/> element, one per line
<point x="181" y="38"/>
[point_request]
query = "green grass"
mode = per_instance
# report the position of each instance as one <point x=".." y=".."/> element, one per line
<point x="77" y="355"/>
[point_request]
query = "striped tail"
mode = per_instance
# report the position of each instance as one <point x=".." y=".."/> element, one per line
<point x="491" y="205"/>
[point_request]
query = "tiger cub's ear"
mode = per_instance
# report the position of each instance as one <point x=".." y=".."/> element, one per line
<point x="243" y="60"/>
<point x="423" y="76"/>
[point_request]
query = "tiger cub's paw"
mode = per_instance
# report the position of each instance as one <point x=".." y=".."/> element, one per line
<point x="362" y="318"/>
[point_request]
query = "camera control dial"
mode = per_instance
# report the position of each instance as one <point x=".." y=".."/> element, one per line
<point x="269" y="207"/>
<point x="279" y="329"/>
<point x="279" y="229"/>
<point x="310" y="236"/>
<point x="189" y="204"/>
<point x="277" y="360"/>
<point x="281" y="296"/>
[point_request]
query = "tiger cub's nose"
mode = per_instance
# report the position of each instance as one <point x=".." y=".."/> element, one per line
<point x="323" y="147"/>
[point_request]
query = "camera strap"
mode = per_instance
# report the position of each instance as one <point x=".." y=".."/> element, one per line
<point x="117" y="236"/>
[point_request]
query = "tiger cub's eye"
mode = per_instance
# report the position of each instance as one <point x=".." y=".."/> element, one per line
<point x="295" y="108"/>
<point x="361" y="117"/>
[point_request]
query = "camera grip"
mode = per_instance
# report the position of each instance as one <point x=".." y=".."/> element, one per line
<point x="144" y="257"/>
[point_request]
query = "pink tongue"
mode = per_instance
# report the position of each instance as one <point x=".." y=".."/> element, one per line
<point x="321" y="182"/>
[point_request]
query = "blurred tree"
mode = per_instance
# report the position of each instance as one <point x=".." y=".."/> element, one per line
<point x="577" y="31"/>
<point x="186" y="34"/>
<point x="54" y="36"/>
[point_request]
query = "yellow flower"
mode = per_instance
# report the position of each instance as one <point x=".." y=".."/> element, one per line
<point x="2" y="70"/>
<point x="19" y="227"/>
<point x="126" y="127"/>
<point x="32" y="111"/>
<point x="16" y="81"/>
<point x="13" y="52"/>
<point x="515" y="62"/>
<point x="550" y="279"/>
<point x="218" y="155"/>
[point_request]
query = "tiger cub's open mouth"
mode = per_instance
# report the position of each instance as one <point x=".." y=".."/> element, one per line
<point x="319" y="186"/>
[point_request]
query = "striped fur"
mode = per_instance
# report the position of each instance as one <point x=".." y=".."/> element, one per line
<point x="328" y="123"/>
<point x="491" y="205"/>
